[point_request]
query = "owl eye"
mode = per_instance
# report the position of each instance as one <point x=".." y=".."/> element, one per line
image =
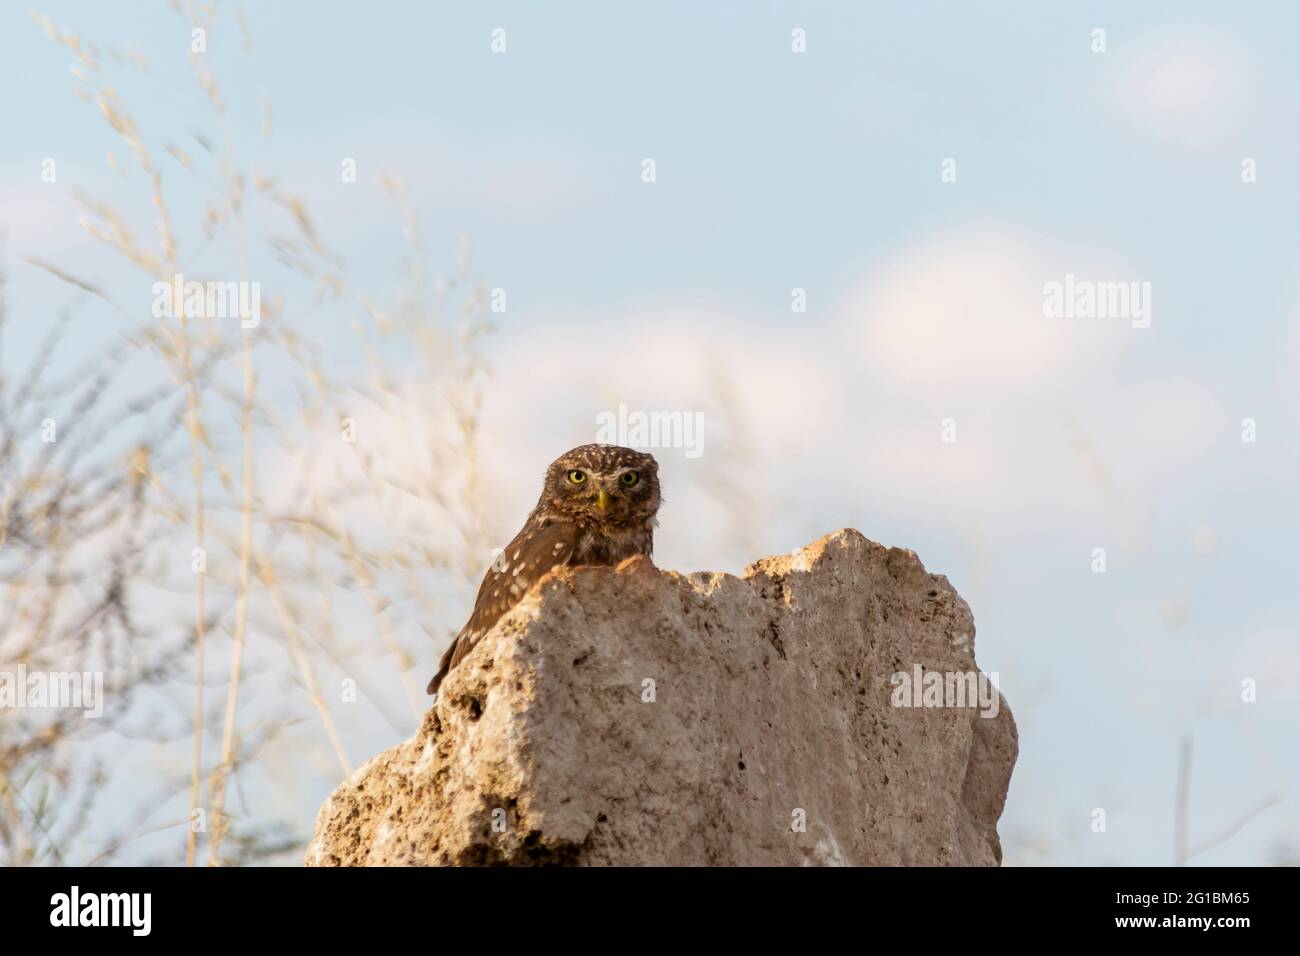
<point x="577" y="477"/>
<point x="629" y="478"/>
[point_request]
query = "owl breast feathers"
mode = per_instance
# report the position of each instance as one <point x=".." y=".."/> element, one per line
<point x="597" y="507"/>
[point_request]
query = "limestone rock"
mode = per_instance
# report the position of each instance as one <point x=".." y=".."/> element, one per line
<point x="636" y="716"/>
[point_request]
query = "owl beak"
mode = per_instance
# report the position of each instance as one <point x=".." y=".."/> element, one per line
<point x="602" y="500"/>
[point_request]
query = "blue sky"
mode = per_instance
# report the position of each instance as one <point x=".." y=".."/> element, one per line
<point x="822" y="171"/>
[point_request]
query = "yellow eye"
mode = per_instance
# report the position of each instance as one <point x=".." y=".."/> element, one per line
<point x="577" y="477"/>
<point x="629" y="478"/>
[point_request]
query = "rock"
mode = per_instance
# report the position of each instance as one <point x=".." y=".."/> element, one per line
<point x="636" y="716"/>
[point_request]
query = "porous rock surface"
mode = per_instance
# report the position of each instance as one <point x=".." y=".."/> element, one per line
<point x="626" y="716"/>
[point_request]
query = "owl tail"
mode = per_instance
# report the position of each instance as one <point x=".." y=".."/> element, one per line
<point x="444" y="665"/>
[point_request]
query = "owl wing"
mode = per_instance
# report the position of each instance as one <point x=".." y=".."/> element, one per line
<point x="535" y="551"/>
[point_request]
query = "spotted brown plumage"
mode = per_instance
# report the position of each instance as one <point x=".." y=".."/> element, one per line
<point x="597" y="506"/>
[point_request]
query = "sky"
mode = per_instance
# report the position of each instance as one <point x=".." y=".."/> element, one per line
<point x="920" y="172"/>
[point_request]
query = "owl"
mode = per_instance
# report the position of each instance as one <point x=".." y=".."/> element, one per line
<point x="598" y="506"/>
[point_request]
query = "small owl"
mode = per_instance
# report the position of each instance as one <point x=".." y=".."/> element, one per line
<point x="598" y="506"/>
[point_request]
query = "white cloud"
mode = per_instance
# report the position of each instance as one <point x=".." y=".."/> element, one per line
<point x="1062" y="424"/>
<point x="966" y="311"/>
<point x="1189" y="87"/>
<point x="39" y="217"/>
<point x="820" y="430"/>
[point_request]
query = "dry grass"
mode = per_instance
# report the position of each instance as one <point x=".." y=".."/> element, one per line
<point x="97" y="528"/>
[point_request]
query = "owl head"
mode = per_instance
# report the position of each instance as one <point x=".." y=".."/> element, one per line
<point x="603" y="484"/>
